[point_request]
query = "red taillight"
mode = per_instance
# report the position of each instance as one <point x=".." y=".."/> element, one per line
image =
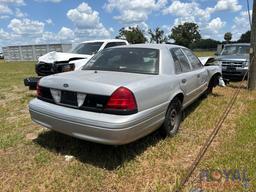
<point x="38" y="90"/>
<point x="122" y="99"/>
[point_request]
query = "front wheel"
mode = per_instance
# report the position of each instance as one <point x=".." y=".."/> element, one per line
<point x="172" y="119"/>
<point x="213" y="83"/>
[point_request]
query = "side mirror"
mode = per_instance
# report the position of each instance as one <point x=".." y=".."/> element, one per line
<point x="216" y="54"/>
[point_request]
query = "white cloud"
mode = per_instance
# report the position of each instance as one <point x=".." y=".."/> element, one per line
<point x="49" y="21"/>
<point x="186" y="10"/>
<point x="26" y="27"/>
<point x="182" y="20"/>
<point x="83" y="16"/>
<point x="52" y="1"/>
<point x="223" y="5"/>
<point x="4" y="9"/>
<point x="131" y="16"/>
<point x="241" y="24"/>
<point x="193" y="12"/>
<point x="4" y="16"/>
<point x="134" y="11"/>
<point x="215" y="25"/>
<point x="87" y="22"/>
<point x="4" y="35"/>
<point x="66" y="33"/>
<point x="17" y="2"/>
<point x="19" y="13"/>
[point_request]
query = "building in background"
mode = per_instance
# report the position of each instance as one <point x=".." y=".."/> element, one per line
<point x="32" y="52"/>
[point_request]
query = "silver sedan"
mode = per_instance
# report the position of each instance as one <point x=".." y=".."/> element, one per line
<point x="123" y="93"/>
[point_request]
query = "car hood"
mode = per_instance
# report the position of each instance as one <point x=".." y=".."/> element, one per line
<point x="59" y="56"/>
<point x="205" y="60"/>
<point x="244" y="57"/>
<point x="94" y="82"/>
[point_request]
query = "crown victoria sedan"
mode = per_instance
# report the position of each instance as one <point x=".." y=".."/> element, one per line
<point x="123" y="93"/>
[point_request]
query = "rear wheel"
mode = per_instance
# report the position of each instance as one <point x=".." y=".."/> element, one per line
<point x="172" y="119"/>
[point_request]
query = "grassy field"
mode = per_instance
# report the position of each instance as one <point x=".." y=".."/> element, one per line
<point x="204" y="53"/>
<point x="33" y="158"/>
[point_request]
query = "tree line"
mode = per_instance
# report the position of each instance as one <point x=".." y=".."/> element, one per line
<point x="186" y="34"/>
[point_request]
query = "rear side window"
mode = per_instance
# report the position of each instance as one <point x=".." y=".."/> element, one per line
<point x="113" y="44"/>
<point x="176" y="62"/>
<point x="196" y="64"/>
<point x="185" y="67"/>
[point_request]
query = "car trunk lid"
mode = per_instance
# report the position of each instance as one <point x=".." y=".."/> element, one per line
<point x="95" y="82"/>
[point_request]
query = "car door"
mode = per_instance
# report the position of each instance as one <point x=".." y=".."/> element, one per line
<point x="198" y="69"/>
<point x="187" y="78"/>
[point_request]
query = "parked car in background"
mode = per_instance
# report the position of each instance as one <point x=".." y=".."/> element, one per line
<point x="123" y="93"/>
<point x="1" y="56"/>
<point x="58" y="62"/>
<point x="234" y="59"/>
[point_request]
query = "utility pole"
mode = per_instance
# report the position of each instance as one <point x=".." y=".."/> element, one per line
<point x="252" y="66"/>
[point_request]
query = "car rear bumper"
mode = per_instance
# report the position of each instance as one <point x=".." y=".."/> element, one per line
<point x="96" y="127"/>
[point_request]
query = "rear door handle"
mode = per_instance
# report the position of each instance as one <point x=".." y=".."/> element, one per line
<point x="183" y="81"/>
<point x="198" y="75"/>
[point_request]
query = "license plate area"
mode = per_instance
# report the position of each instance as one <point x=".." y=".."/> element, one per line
<point x="69" y="98"/>
<point x="231" y="69"/>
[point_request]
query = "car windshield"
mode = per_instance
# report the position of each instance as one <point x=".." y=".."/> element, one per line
<point x="235" y="50"/>
<point x="131" y="60"/>
<point x="87" y="48"/>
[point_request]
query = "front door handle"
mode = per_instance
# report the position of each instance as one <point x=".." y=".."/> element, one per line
<point x="183" y="81"/>
<point x="198" y="76"/>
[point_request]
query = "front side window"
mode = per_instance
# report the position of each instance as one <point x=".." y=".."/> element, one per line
<point x="185" y="67"/>
<point x="195" y="62"/>
<point x="131" y="60"/>
<point x="87" y="48"/>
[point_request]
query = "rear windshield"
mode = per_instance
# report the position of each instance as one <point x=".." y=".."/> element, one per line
<point x="87" y="48"/>
<point x="131" y="60"/>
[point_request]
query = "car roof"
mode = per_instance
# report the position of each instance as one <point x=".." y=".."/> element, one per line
<point x="247" y="44"/>
<point x="105" y="40"/>
<point x="151" y="46"/>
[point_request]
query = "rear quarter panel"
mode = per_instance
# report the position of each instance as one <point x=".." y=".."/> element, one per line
<point x="155" y="92"/>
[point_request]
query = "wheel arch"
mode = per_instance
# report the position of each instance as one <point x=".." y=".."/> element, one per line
<point x="179" y="95"/>
<point x="214" y="79"/>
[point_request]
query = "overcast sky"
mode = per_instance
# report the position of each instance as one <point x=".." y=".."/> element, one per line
<point x="50" y="21"/>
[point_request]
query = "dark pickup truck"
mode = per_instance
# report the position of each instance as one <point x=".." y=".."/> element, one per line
<point x="234" y="60"/>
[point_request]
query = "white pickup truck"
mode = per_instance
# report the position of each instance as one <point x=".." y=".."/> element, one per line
<point x="57" y="62"/>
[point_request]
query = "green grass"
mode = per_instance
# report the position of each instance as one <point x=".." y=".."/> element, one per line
<point x="238" y="152"/>
<point x="33" y="158"/>
<point x="204" y="53"/>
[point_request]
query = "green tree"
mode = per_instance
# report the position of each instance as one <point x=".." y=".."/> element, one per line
<point x="245" y="37"/>
<point x="185" y="34"/>
<point x="228" y="37"/>
<point x="133" y="35"/>
<point x="157" y="36"/>
<point x="205" y="44"/>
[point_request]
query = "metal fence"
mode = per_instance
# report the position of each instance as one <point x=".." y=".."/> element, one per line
<point x="32" y="52"/>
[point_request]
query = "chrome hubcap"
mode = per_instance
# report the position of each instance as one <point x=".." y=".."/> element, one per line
<point x="173" y="118"/>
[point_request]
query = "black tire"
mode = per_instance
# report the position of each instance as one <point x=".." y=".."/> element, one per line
<point x="173" y="119"/>
<point x="213" y="83"/>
